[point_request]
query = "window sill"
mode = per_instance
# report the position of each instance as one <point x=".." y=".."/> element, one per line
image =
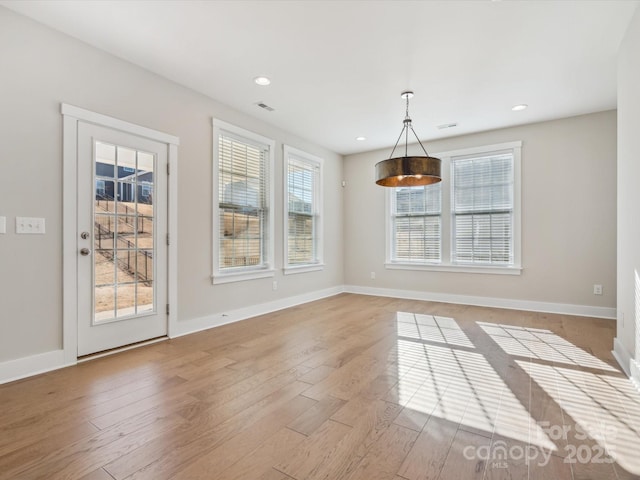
<point x="315" y="267"/>
<point x="487" y="269"/>
<point x="219" y="278"/>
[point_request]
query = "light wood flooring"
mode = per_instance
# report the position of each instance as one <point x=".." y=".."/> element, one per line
<point x="349" y="387"/>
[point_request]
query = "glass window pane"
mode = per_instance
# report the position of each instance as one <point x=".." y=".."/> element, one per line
<point x="242" y="202"/>
<point x="123" y="231"/>
<point x="105" y="302"/>
<point x="302" y="185"/>
<point x="483" y="209"/>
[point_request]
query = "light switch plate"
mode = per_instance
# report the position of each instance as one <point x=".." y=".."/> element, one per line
<point x="30" y="225"/>
<point x="3" y="225"/>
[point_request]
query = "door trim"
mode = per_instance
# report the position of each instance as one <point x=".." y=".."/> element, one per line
<point x="71" y="117"/>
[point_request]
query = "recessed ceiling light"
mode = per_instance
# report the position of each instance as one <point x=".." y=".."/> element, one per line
<point x="361" y="139"/>
<point x="263" y="81"/>
<point x="517" y="108"/>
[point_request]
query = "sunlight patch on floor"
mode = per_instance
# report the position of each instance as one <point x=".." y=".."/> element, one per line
<point x="456" y="384"/>
<point x="541" y="344"/>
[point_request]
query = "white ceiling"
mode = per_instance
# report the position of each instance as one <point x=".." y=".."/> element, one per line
<point x="338" y="67"/>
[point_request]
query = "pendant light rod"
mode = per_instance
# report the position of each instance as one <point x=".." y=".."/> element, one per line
<point x="407" y="124"/>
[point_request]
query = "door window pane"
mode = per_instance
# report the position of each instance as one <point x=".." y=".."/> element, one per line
<point x="123" y="232"/>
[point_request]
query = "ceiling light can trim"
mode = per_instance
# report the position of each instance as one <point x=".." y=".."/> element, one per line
<point x="408" y="170"/>
<point x="262" y="81"/>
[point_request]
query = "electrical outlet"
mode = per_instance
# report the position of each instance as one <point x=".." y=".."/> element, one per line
<point x="373" y="275"/>
<point x="275" y="285"/>
<point x="597" y="289"/>
<point x="30" y="225"/>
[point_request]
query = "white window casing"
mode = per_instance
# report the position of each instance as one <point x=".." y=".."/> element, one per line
<point x="477" y="206"/>
<point x="243" y="199"/>
<point x="303" y="213"/>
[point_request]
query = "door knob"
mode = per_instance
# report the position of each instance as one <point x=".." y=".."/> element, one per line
<point x="85" y="235"/>
<point x="84" y="252"/>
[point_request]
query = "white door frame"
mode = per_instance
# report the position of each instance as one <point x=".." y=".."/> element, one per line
<point x="71" y="116"/>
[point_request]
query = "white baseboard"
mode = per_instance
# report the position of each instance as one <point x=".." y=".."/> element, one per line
<point x="218" y="319"/>
<point x="32" y="365"/>
<point x="635" y="373"/>
<point x="547" y="307"/>
<point x="630" y="365"/>
<point x="622" y="356"/>
<point x="24" y="367"/>
<point x="44" y="362"/>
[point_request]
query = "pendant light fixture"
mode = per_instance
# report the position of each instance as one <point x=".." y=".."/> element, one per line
<point x="408" y="171"/>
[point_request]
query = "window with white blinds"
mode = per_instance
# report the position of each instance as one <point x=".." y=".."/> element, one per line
<point x="482" y="209"/>
<point x="243" y="219"/>
<point x="416" y="224"/>
<point x="468" y="222"/>
<point x="303" y="246"/>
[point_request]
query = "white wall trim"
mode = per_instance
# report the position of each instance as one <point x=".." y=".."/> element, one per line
<point x="117" y="124"/>
<point x="71" y="116"/>
<point x="44" y="362"/>
<point x="223" y="318"/>
<point x="290" y="153"/>
<point x="172" y="230"/>
<point x="32" y="365"/>
<point x="629" y="365"/>
<point x="622" y="356"/>
<point x="266" y="268"/>
<point x="635" y="373"/>
<point x="547" y="307"/>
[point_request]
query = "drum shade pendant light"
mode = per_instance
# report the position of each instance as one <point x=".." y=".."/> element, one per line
<point x="408" y="171"/>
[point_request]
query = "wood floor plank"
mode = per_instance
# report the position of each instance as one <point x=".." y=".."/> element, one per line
<point x="429" y="452"/>
<point x="314" y="417"/>
<point x="313" y="450"/>
<point x="245" y="442"/>
<point x="345" y="383"/>
<point x="317" y="374"/>
<point x="171" y="400"/>
<point x="44" y="443"/>
<point x="273" y="474"/>
<point x="347" y="387"/>
<point x="236" y="383"/>
<point x="288" y="356"/>
<point x="157" y="459"/>
<point x="24" y="432"/>
<point x="82" y="457"/>
<point x="385" y="456"/>
<point x="465" y="459"/>
<point x="354" y="409"/>
<point x="99" y="474"/>
<point x="343" y="458"/>
<point x="509" y="459"/>
<point x="257" y="464"/>
<point x="555" y="469"/>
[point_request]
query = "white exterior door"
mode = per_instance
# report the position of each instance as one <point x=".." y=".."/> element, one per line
<point x="121" y="238"/>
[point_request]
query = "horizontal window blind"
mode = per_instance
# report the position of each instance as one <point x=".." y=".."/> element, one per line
<point x="416" y="218"/>
<point x="302" y="180"/>
<point x="482" y="209"/>
<point x="243" y="207"/>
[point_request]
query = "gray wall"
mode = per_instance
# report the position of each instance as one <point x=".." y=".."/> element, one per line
<point x="42" y="68"/>
<point x="629" y="190"/>
<point x="568" y="217"/>
<point x="568" y="193"/>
